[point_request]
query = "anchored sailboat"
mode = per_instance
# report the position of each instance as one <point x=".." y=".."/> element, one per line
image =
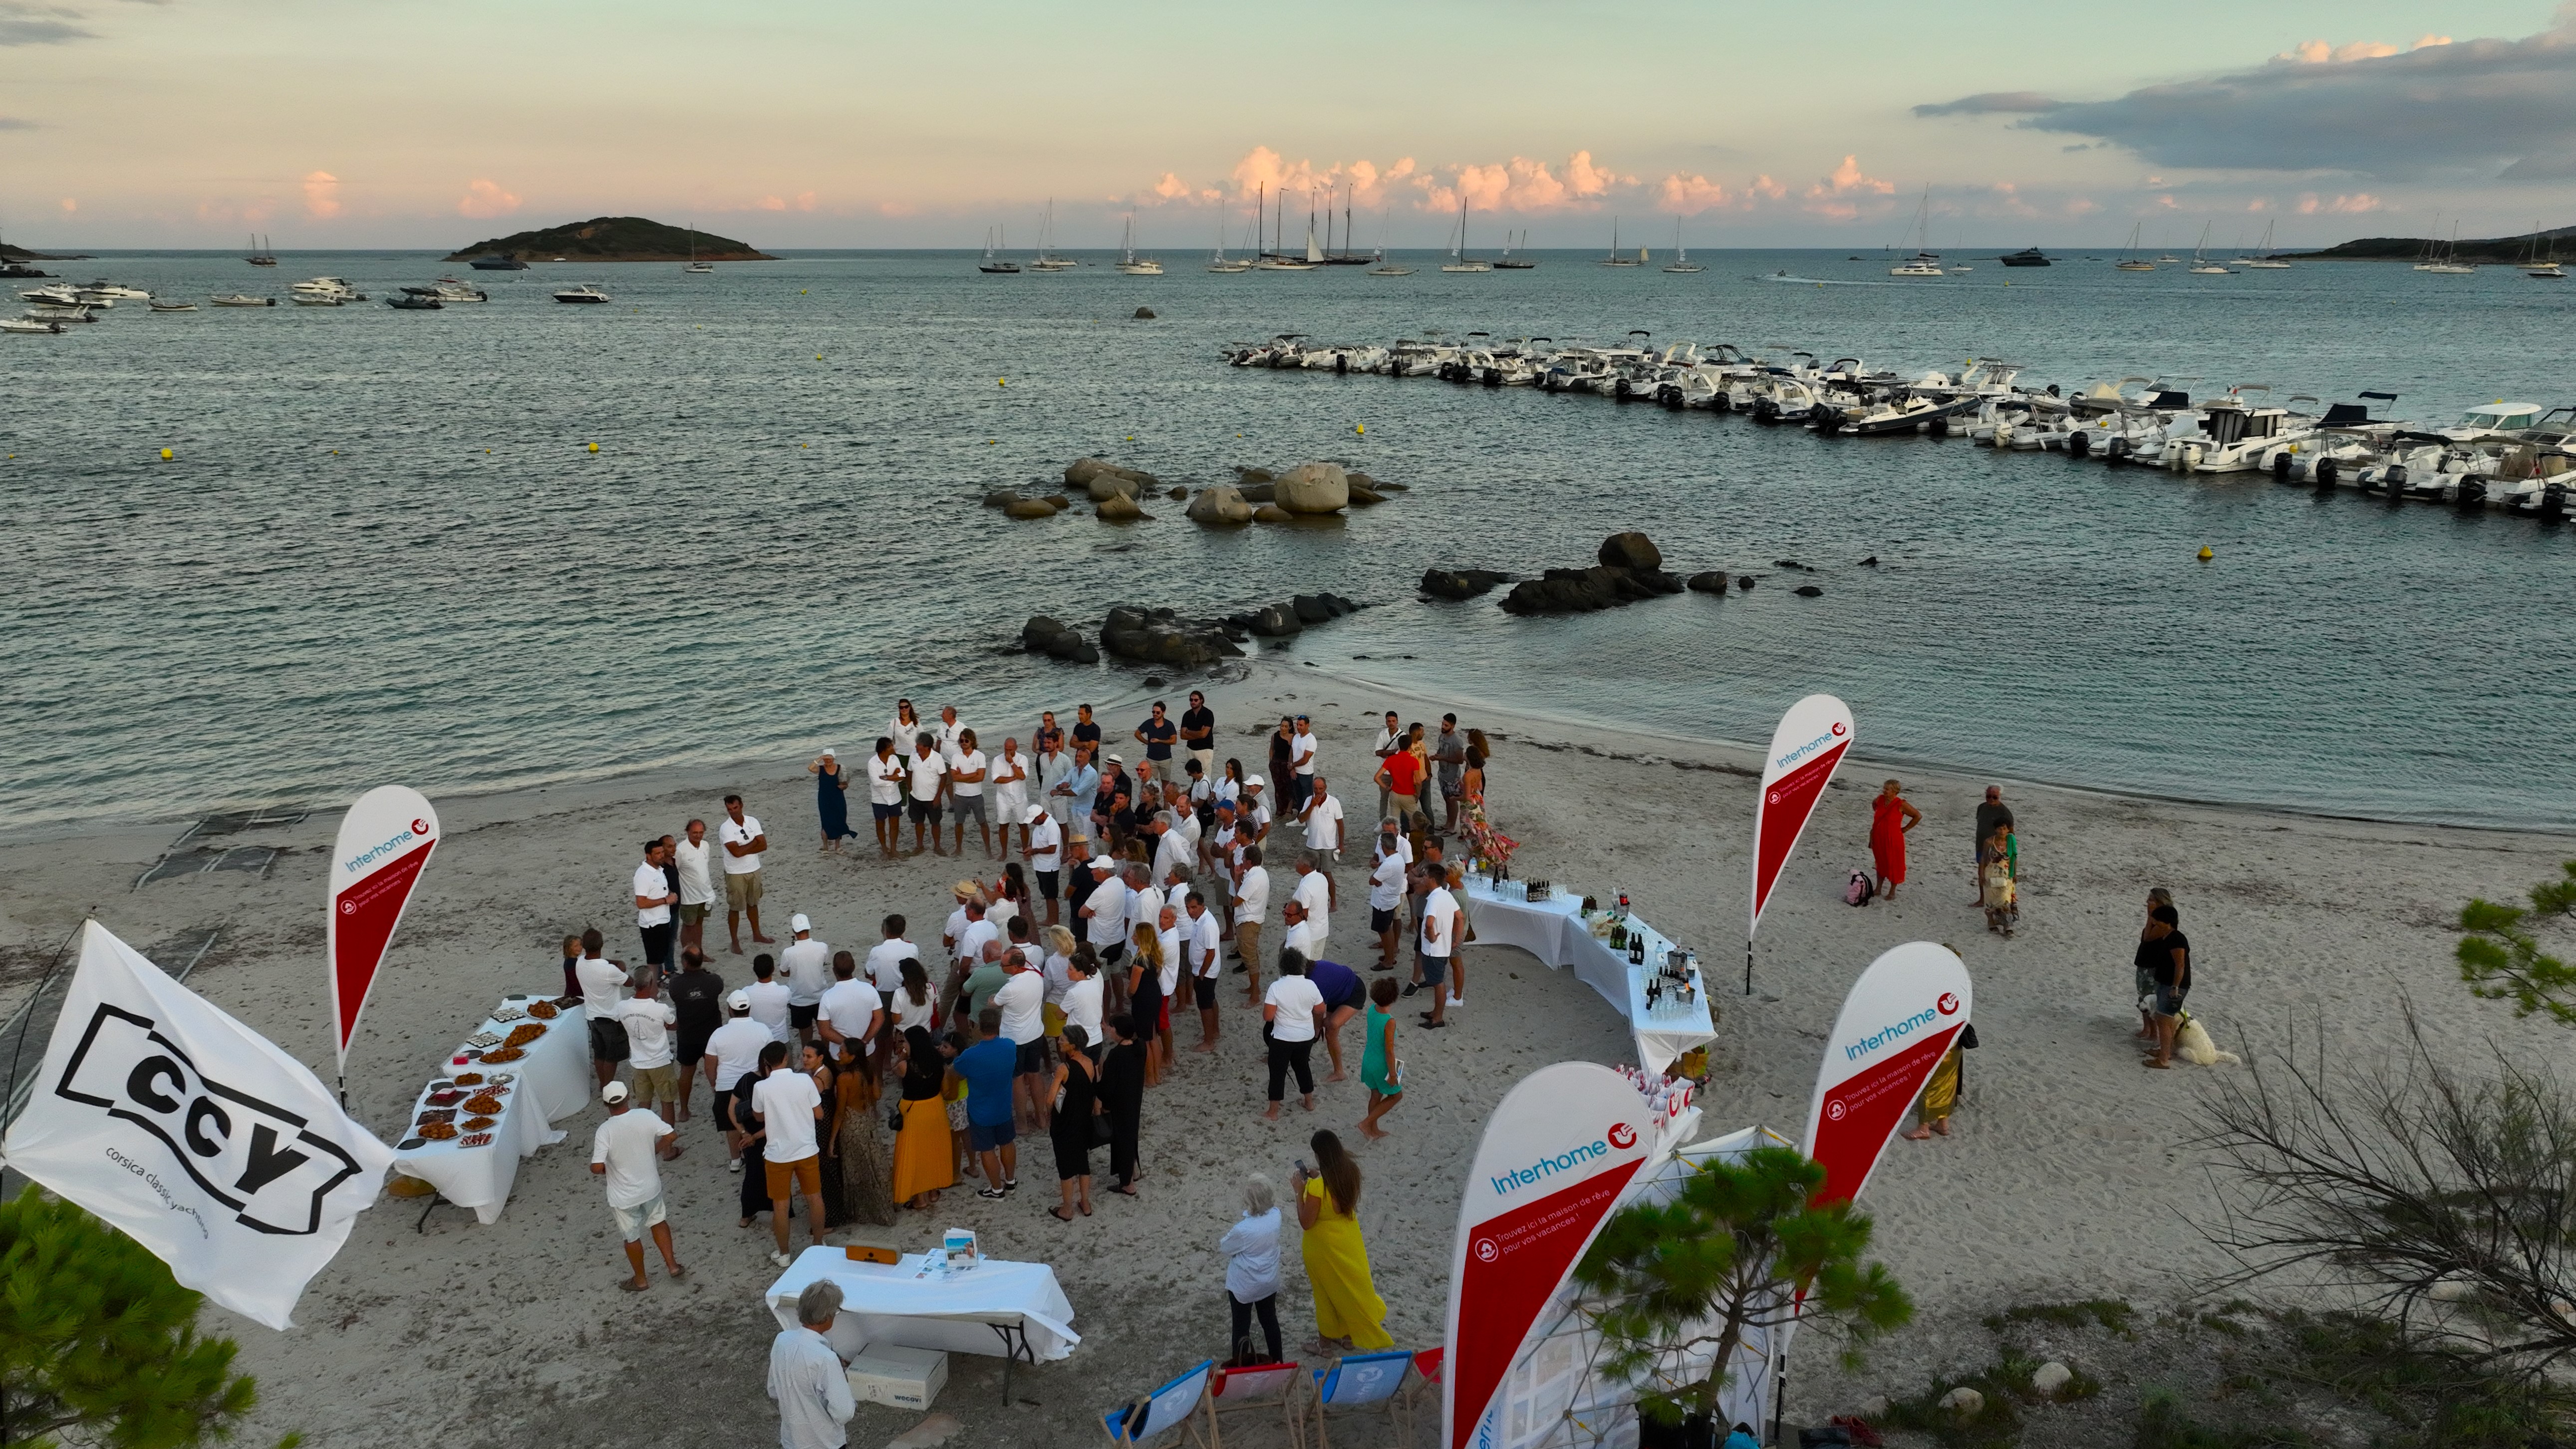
<point x="1681" y="261"/>
<point x="994" y="261"/>
<point x="1615" y="259"/>
<point x="1459" y="261"/>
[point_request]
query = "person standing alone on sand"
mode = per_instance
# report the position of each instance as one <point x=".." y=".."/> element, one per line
<point x="743" y="841"/>
<point x="1991" y="812"/>
<point x="1890" y="816"/>
<point x="1348" y="1313"/>
<point x="831" y="798"/>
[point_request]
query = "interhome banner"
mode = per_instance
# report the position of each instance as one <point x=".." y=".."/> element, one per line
<point x="1557" y="1156"/>
<point x="385" y="840"/>
<point x="1805" y="751"/>
<point x="194" y="1135"/>
<point x="1900" y="1018"/>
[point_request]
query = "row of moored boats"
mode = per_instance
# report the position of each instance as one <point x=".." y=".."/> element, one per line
<point x="58" y="307"/>
<point x="2518" y="457"/>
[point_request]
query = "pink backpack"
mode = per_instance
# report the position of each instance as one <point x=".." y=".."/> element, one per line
<point x="1861" y="888"/>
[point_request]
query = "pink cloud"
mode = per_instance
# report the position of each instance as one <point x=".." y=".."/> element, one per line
<point x="2318" y="52"/>
<point x="1833" y="194"/>
<point x="486" y="198"/>
<point x="70" y="205"/>
<point x="322" y="194"/>
<point x="2081" y="206"/>
<point x="772" y="203"/>
<point x="1691" y="195"/>
<point x="1766" y="188"/>
<point x="1524" y="185"/>
<point x="804" y="201"/>
<point x="2359" y="201"/>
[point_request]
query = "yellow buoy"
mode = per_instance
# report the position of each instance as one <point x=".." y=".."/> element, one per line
<point x="165" y="455"/>
<point x="1359" y="427"/>
<point x="2205" y="554"/>
<point x="1002" y="382"/>
<point x="594" y="447"/>
<point x="818" y="357"/>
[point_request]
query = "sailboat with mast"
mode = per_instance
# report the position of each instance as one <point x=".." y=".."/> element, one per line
<point x="2201" y="265"/>
<point x="1459" y="261"/>
<point x="1350" y="255"/>
<point x="696" y="268"/>
<point x="2263" y="260"/>
<point x="1925" y="262"/>
<point x="2129" y="260"/>
<point x="1510" y="263"/>
<point x="2444" y="261"/>
<point x="2538" y="267"/>
<point x="1616" y="258"/>
<point x="1128" y="262"/>
<point x="1277" y="258"/>
<point x="260" y="255"/>
<point x="1227" y="266"/>
<point x="1046" y="260"/>
<point x="1681" y="261"/>
<point x="994" y="262"/>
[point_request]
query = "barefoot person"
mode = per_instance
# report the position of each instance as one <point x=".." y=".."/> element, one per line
<point x="2172" y="973"/>
<point x="1292" y="1016"/>
<point x="628" y="1150"/>
<point x="697" y="886"/>
<point x="831" y="798"/>
<point x="744" y="842"/>
<point x="1344" y="998"/>
<point x="887" y="777"/>
<point x="1349" y="1314"/>
<point x="1071" y="1097"/>
<point x="2160" y="911"/>
<point x="1380" y="1071"/>
<point x="1890" y="816"/>
<point x="1991" y="812"/>
<point x="789" y="1108"/>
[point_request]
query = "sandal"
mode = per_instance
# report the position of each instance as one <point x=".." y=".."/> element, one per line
<point x="631" y="1286"/>
<point x="1124" y="1191"/>
<point x="1058" y="1213"/>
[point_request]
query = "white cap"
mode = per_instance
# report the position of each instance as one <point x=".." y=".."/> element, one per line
<point x="799" y="924"/>
<point x="830" y="754"/>
<point x="1117" y="759"/>
<point x="613" y="1093"/>
<point x="739" y="1000"/>
<point x="1035" y="811"/>
<point x="1255" y="782"/>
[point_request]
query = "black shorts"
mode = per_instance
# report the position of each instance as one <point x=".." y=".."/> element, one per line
<point x="1435" y="969"/>
<point x="923" y="811"/>
<point x="693" y="1048"/>
<point x="886" y="812"/>
<point x="1381" y="921"/>
<point x="1203" y="990"/>
<point x="1048" y="880"/>
<point x="801" y="1017"/>
<point x="608" y="1042"/>
<point x="1032" y="1058"/>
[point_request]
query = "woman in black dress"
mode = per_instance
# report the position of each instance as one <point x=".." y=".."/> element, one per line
<point x="1076" y="1086"/>
<point x="1122" y="1099"/>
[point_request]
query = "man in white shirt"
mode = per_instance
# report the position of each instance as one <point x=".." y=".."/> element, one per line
<point x="1022" y="1000"/>
<point x="1314" y="891"/>
<point x="733" y="1050"/>
<point x="950" y="732"/>
<point x="1083" y="1005"/>
<point x="770" y="999"/>
<point x="627" y="1151"/>
<point x="650" y="1055"/>
<point x="786" y="1103"/>
<point x="1010" y="782"/>
<point x="1042" y="846"/>
<point x="1323" y="818"/>
<point x="1387" y="744"/>
<point x="743" y="841"/>
<point x="697" y="886"/>
<point x="967" y="768"/>
<point x="1144" y="899"/>
<point x="807" y="966"/>
<point x="887" y="775"/>
<point x="1294" y="1010"/>
<point x="1199" y="957"/>
<point x="602" y="982"/>
<point x="851" y="1011"/>
<point x="654" y="899"/>
<point x="1251" y="901"/>
<point x="1300" y="935"/>
<point x="807" y="1379"/>
<point x="1173" y="850"/>
<point x="978" y="930"/>
<point x="1252" y="812"/>
<point x="1301" y="748"/>
<point x="886" y="957"/>
<point x="927" y="770"/>
<point x="1441" y="928"/>
<point x="1386" y="893"/>
<point x="1104" y="913"/>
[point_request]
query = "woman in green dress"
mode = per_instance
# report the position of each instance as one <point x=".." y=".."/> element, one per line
<point x="1380" y="1071"/>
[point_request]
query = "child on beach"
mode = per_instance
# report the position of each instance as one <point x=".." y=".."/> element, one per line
<point x="2002" y="895"/>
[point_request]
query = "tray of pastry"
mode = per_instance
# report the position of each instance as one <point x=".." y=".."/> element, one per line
<point x="483" y="1039"/>
<point x="544" y="1010"/>
<point x="509" y="1013"/>
<point x="524" y="1033"/>
<point x="438" y="1131"/>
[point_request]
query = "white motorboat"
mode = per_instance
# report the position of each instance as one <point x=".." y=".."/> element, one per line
<point x="327" y="287"/>
<point x="2234" y="437"/>
<point x="586" y="292"/>
<point x="1129" y="263"/>
<point x="1681" y="261"/>
<point x="1615" y="259"/>
<point x="31" y="326"/>
<point x="451" y="291"/>
<point x="1917" y="268"/>
<point x="2498" y="419"/>
<point x="236" y="299"/>
<point x="320" y="299"/>
<point x="174" y="306"/>
<point x="110" y="291"/>
<point x="61" y="295"/>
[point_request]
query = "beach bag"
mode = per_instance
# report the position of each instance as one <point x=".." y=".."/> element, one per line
<point x="1860" y="889"/>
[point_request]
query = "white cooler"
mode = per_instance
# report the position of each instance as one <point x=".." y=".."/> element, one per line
<point x="906" y="1378"/>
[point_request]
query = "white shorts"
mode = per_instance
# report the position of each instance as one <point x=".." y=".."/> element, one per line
<point x="633" y="1222"/>
<point x="1012" y="801"/>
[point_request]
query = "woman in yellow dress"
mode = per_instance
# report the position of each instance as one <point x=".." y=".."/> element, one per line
<point x="924" y="1162"/>
<point x="1348" y="1313"/>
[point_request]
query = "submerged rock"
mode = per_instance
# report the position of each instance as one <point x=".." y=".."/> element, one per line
<point x="1711" y="582"/>
<point x="1313" y="488"/>
<point x="1052" y="637"/>
<point x="1029" y="508"/>
<point x="1120" y="508"/>
<point x="1272" y="513"/>
<point x="1222" y="505"/>
<point x="1459" y="583"/>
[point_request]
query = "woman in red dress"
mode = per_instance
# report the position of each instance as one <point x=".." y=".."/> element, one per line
<point x="1890" y="816"/>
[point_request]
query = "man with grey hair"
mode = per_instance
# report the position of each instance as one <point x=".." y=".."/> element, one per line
<point x="807" y="1378"/>
<point x="1174" y="850"/>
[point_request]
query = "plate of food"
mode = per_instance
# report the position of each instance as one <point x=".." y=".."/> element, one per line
<point x="438" y="1131"/>
<point x="438" y="1114"/>
<point x="483" y="1039"/>
<point x="502" y="1079"/>
<point x="567" y="1002"/>
<point x="485" y="1105"/>
<point x="525" y="1033"/>
<point x="478" y="1139"/>
<point x="503" y="1054"/>
<point x="544" y="1010"/>
<point x="447" y="1098"/>
<point x="479" y="1124"/>
<point x="509" y="1013"/>
<point x="467" y="1079"/>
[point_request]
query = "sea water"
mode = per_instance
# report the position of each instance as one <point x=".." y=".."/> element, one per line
<point x="383" y="548"/>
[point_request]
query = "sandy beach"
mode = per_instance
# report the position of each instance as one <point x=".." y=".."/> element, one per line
<point x="2069" y="1173"/>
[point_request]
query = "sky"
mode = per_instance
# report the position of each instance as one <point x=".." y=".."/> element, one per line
<point x="822" y="123"/>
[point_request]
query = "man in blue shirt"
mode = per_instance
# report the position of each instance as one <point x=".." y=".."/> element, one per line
<point x="1344" y="998"/>
<point x="986" y="1068"/>
<point x="1071" y="800"/>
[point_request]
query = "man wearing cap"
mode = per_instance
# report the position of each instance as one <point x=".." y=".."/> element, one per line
<point x="977" y="930"/>
<point x="1252" y="816"/>
<point x="887" y="777"/>
<point x="1302" y="748"/>
<point x="807" y="964"/>
<point x="1114" y="786"/>
<point x="1104" y="912"/>
<point x="654" y="899"/>
<point x="1042" y="846"/>
<point x="628" y="1150"/>
<point x="967" y="767"/>
<point x="744" y="842"/>
<point x="928" y="772"/>
<point x="733" y="1050"/>
<point x="1010" y="782"/>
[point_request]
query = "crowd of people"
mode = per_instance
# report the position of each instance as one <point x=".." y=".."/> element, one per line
<point x="1119" y="902"/>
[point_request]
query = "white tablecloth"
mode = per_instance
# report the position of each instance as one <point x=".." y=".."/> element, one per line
<point x="542" y="1089"/>
<point x="894" y="1303"/>
<point x="1554" y="931"/>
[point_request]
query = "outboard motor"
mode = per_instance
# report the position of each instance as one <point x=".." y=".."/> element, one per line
<point x="2079" y="444"/>
<point x="1341" y="364"/>
<point x="1939" y="427"/>
<point x="2553" y="501"/>
<point x="2281" y="466"/>
<point x="1766" y="410"/>
<point x="2472" y="492"/>
<point x="1829" y="421"/>
<point x="2327" y="468"/>
<point x="2117" y="453"/>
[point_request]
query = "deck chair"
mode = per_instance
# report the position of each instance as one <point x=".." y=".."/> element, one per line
<point x="1173" y="1406"/>
<point x="1360" y="1385"/>
<point x="1424" y="1387"/>
<point x="1258" y="1387"/>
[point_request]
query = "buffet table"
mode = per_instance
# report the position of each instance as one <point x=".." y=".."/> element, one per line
<point x="1555" y="932"/>
<point x="1015" y="1311"/>
<point x="551" y="1080"/>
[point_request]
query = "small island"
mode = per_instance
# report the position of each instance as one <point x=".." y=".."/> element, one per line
<point x="614" y="239"/>
<point x="2486" y="251"/>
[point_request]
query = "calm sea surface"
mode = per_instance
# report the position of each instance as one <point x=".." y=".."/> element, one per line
<point x="383" y="549"/>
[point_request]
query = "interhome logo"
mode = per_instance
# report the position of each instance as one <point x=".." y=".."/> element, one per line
<point x="1620" y="1135"/>
<point x="259" y="1161"/>
<point x="1809" y="748"/>
<point x="1893" y="1032"/>
<point x="417" y="830"/>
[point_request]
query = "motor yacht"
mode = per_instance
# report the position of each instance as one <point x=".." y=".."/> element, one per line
<point x="452" y="291"/>
<point x="31" y="326"/>
<point x="586" y="292"/>
<point x="327" y="287"/>
<point x="2497" y="419"/>
<point x="411" y="301"/>
<point x="61" y="295"/>
<point x="235" y="299"/>
<point x="111" y="291"/>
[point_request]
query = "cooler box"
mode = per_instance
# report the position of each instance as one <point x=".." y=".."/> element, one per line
<point x="906" y="1378"/>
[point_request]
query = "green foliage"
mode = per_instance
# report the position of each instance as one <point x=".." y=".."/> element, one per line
<point x="1665" y="1283"/>
<point x="2446" y="1396"/>
<point x="2110" y="1314"/>
<point x="2162" y="1424"/>
<point x="100" y="1344"/>
<point x="2502" y="961"/>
